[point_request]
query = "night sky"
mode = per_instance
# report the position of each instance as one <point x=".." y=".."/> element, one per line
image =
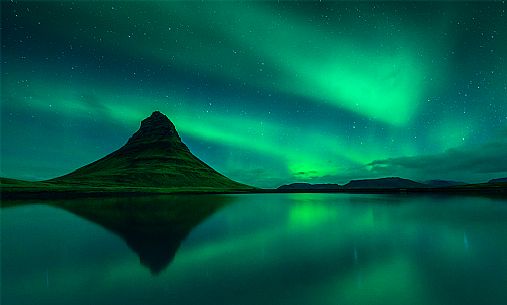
<point x="266" y="93"/>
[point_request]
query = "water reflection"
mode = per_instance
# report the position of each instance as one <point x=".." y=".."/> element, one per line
<point x="258" y="249"/>
<point x="152" y="227"/>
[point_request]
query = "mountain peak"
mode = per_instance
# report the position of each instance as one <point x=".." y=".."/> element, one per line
<point x="154" y="156"/>
<point x="155" y="128"/>
<point x="157" y="114"/>
<point x="156" y="119"/>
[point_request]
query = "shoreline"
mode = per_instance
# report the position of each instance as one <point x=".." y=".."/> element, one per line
<point x="21" y="193"/>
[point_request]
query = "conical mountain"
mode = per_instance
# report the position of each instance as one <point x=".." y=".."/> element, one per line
<point x="154" y="156"/>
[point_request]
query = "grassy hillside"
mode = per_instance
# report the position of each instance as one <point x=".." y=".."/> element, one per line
<point x="158" y="166"/>
<point x="154" y="156"/>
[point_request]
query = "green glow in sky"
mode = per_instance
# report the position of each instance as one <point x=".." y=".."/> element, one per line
<point x="266" y="93"/>
<point x="334" y="69"/>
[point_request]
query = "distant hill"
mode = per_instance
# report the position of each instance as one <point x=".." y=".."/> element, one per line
<point x="383" y="183"/>
<point x="443" y="183"/>
<point x="309" y="186"/>
<point x="154" y="156"/>
<point x="394" y="184"/>
<point x="497" y="180"/>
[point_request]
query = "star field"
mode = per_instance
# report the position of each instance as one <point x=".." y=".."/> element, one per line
<point x="266" y="93"/>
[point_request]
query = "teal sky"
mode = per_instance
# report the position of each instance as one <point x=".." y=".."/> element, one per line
<point x="266" y="93"/>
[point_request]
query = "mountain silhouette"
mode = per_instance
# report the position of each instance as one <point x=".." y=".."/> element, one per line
<point x="383" y="183"/>
<point x="154" y="156"/>
<point x="155" y="160"/>
<point x="309" y="186"/>
<point x="443" y="183"/>
<point x="498" y="180"/>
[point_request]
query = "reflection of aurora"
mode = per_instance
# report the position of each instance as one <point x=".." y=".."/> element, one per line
<point x="345" y="248"/>
<point x="348" y="244"/>
<point x="266" y="93"/>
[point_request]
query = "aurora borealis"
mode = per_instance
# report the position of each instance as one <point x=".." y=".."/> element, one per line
<point x="266" y="93"/>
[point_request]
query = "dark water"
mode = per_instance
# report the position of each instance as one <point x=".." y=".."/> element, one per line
<point x="256" y="249"/>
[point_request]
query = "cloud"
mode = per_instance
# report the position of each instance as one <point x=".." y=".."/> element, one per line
<point x="476" y="164"/>
<point x="470" y="164"/>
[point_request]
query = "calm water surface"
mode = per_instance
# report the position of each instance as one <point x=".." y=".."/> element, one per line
<point x="256" y="249"/>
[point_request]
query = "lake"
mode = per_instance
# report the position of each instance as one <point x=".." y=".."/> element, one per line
<point x="256" y="249"/>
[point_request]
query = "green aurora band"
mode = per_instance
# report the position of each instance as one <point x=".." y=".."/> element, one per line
<point x="265" y="93"/>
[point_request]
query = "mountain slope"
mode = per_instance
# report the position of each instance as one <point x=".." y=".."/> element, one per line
<point x="443" y="183"/>
<point x="154" y="156"/>
<point x="391" y="182"/>
<point x="309" y="186"/>
<point x="498" y="180"/>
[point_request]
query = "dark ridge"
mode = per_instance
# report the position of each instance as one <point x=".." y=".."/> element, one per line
<point x="309" y="186"/>
<point x="443" y="183"/>
<point x="385" y="183"/>
<point x="498" y="180"/>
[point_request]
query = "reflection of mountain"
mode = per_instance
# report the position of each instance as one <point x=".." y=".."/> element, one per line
<point x="153" y="227"/>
